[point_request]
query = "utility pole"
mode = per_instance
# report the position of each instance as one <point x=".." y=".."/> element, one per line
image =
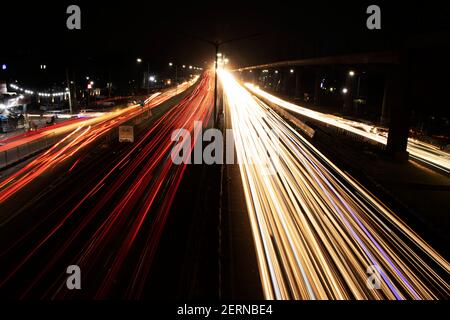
<point x="75" y="104"/>
<point x="217" y="45"/>
<point x="176" y="78"/>
<point x="171" y="64"/>
<point x="68" y="86"/>
<point x="148" y="77"/>
<point x="215" y="82"/>
<point x="109" y="83"/>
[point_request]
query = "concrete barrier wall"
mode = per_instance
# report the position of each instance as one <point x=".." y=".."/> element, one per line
<point x="21" y="152"/>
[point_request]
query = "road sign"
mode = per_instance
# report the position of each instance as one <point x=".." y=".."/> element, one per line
<point x="126" y="134"/>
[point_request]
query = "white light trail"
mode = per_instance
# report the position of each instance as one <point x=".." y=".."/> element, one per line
<point x="418" y="150"/>
<point x="316" y="230"/>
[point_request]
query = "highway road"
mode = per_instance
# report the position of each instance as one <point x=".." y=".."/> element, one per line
<point x="96" y="203"/>
<point x="78" y="137"/>
<point x="103" y="205"/>
<point x="318" y="233"/>
<point x="17" y="148"/>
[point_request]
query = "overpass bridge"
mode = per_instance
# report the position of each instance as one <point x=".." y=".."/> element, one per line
<point x="394" y="67"/>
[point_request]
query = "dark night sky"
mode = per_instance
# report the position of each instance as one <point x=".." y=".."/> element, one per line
<point x="114" y="33"/>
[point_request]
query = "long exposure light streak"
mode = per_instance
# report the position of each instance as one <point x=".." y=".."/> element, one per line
<point x="317" y="232"/>
<point x="123" y="210"/>
<point x="82" y="135"/>
<point x="421" y="151"/>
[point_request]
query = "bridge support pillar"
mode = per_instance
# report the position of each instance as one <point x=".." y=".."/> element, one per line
<point x="398" y="104"/>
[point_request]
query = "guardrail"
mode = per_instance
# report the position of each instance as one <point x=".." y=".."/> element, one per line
<point x="16" y="154"/>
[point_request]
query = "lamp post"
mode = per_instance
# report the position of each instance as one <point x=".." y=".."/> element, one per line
<point x="176" y="71"/>
<point x="217" y="45"/>
<point x="215" y="81"/>
<point x="139" y="60"/>
<point x="68" y="86"/>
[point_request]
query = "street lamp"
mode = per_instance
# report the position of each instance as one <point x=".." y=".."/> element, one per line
<point x="139" y="60"/>
<point x="352" y="73"/>
<point x="176" y="71"/>
<point x="344" y="90"/>
<point x="216" y="45"/>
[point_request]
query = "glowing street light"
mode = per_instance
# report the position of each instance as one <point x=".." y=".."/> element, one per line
<point x="351" y="73"/>
<point x="139" y="60"/>
<point x="176" y="71"/>
<point x="291" y="71"/>
<point x="344" y="90"/>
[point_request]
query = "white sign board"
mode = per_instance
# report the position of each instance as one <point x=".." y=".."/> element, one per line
<point x="126" y="134"/>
